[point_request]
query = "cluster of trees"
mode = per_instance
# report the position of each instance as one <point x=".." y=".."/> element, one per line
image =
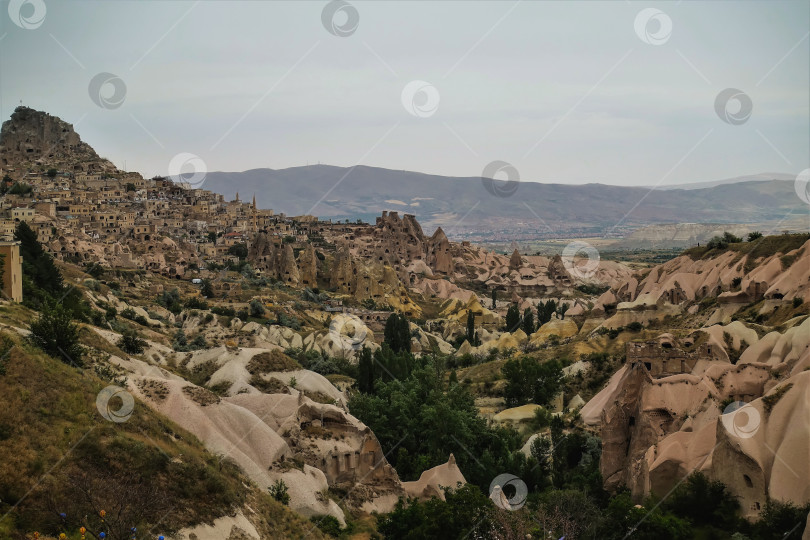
<point x="54" y="331"/>
<point x="697" y="508"/>
<point x="529" y="381"/>
<point x="722" y="242"/>
<point x="420" y="420"/>
<point x="382" y="365"/>
<point x="16" y="188"/>
<point x="545" y="310"/>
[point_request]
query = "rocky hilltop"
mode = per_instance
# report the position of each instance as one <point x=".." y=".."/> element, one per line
<point x="31" y="136"/>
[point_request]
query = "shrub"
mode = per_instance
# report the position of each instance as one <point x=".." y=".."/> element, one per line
<point x="55" y="333"/>
<point x="198" y="342"/>
<point x="196" y="303"/>
<point x="224" y="311"/>
<point x="797" y="301"/>
<point x="256" y="308"/>
<point x="288" y="321"/>
<point x="327" y="524"/>
<point x="279" y="492"/>
<point x="206" y="289"/>
<point x="20" y="188"/>
<point x="131" y="342"/>
<point x="170" y="300"/>
<point x="635" y="326"/>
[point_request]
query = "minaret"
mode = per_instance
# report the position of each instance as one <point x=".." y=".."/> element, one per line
<point x="255" y="225"/>
<point x="237" y="197"/>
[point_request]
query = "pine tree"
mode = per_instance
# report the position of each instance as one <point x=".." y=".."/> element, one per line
<point x="494" y="298"/>
<point x="365" y="371"/>
<point x="390" y="333"/>
<point x="528" y="321"/>
<point x="545" y="311"/>
<point x="207" y="290"/>
<point x="38" y="266"/>
<point x="404" y="334"/>
<point x="397" y="333"/>
<point x="512" y="318"/>
<point x="471" y="327"/>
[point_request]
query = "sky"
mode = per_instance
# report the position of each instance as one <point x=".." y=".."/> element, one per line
<point x="626" y="93"/>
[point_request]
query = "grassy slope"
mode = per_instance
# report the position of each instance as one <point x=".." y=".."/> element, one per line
<point x="54" y="442"/>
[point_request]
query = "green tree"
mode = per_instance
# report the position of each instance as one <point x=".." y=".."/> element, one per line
<point x="52" y="173"/>
<point x="279" y="492"/>
<point x="494" y="298"/>
<point x="429" y="421"/>
<point x="238" y="250"/>
<point x="397" y="333"/>
<point x="512" y="318"/>
<point x="365" y="371"/>
<point x="528" y="321"/>
<point x="55" y="333"/>
<point x="131" y="187"/>
<point x="171" y="300"/>
<point x="131" y="342"/>
<point x="256" y="308"/>
<point x="545" y="310"/>
<point x="206" y="289"/>
<point x="781" y="521"/>
<point x="41" y="278"/>
<point x="704" y="503"/>
<point x="20" y="188"/>
<point x="472" y="337"/>
<point x="42" y="282"/>
<point x="529" y="381"/>
<point x="212" y="237"/>
<point x="622" y="519"/>
<point x="465" y="513"/>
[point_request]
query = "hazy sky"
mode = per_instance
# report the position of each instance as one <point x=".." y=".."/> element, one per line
<point x="568" y="92"/>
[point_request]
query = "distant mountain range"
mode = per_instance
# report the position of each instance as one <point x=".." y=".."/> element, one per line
<point x="462" y="205"/>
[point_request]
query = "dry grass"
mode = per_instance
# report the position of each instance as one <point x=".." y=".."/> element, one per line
<point x="268" y="386"/>
<point x="270" y="362"/>
<point x="51" y="431"/>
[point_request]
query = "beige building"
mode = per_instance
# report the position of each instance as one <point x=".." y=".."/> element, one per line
<point x="12" y="266"/>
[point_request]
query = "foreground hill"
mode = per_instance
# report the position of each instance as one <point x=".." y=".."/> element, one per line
<point x="592" y="209"/>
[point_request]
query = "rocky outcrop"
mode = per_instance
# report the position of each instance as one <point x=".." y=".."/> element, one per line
<point x="515" y="262"/>
<point x="32" y="135"/>
<point x="431" y="482"/>
<point x="660" y="416"/>
<point x="308" y="266"/>
<point x="439" y="256"/>
<point x="277" y="261"/>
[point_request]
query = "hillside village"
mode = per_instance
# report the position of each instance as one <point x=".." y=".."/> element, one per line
<point x="289" y="346"/>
